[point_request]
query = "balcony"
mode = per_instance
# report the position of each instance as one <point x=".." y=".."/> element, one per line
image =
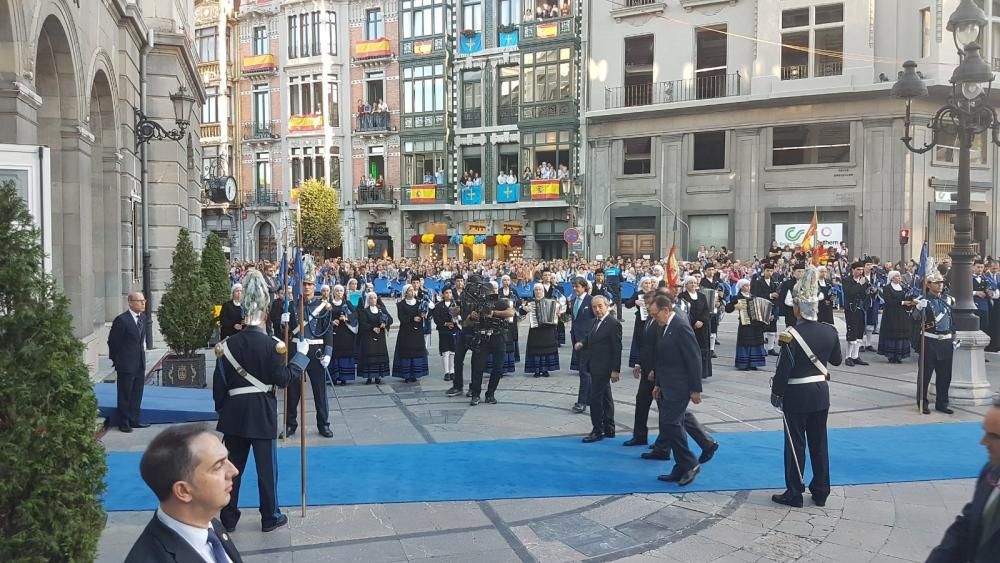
<point x="373" y="51"/>
<point x="375" y="197"/>
<point x="427" y="194"/>
<point x="261" y="130"/>
<point x="547" y="30"/>
<point x="472" y="117"/>
<point x="210" y="130"/>
<point x="305" y="123"/>
<point x="701" y="88"/>
<point x="798" y="72"/>
<point x="259" y="64"/>
<point x="550" y="110"/>
<point x="507" y="114"/>
<point x="263" y="197"/>
<point x="536" y="193"/>
<point x="374" y="124"/>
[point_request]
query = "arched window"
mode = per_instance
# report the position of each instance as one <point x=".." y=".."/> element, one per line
<point x="267" y="246"/>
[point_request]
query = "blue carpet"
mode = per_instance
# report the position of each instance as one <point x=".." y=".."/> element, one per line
<point x="559" y="467"/>
<point x="160" y="405"/>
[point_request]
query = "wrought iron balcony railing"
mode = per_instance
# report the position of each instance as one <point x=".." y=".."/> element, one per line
<point x="261" y="130"/>
<point x="700" y="88"/>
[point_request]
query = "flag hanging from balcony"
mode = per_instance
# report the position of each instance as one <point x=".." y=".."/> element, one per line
<point x="470" y="43"/>
<point x="422" y="193"/>
<point x="472" y="195"/>
<point x="305" y="122"/>
<point x="373" y="49"/>
<point x="258" y="62"/>
<point x="547" y="30"/>
<point x="509" y="38"/>
<point x="508" y="193"/>
<point x="422" y="48"/>
<point x="544" y="189"/>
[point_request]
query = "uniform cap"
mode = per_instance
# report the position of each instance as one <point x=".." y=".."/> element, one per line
<point x="256" y="297"/>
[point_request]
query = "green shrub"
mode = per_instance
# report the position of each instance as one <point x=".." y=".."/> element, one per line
<point x="185" y="313"/>
<point x="215" y="270"/>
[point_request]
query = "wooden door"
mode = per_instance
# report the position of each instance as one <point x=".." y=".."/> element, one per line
<point x="636" y="244"/>
<point x="626" y="245"/>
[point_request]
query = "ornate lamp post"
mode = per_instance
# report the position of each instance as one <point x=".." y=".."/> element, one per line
<point x="965" y="115"/>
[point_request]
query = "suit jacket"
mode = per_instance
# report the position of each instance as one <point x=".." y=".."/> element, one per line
<point x="583" y="320"/>
<point x="961" y="542"/>
<point x="793" y="363"/>
<point x="678" y="360"/>
<point x="159" y="544"/>
<point x="126" y="347"/>
<point x="648" y="341"/>
<point x="274" y="319"/>
<point x="230" y="316"/>
<point x="602" y="347"/>
<point x="698" y="310"/>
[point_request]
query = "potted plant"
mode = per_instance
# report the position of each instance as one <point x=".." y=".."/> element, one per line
<point x="186" y="318"/>
<point x="509" y="28"/>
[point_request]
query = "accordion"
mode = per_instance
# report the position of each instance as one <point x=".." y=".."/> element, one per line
<point x="711" y="295"/>
<point x="758" y="310"/>
<point x="543" y="312"/>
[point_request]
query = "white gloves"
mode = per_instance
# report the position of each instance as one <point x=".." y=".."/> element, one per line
<point x="286" y="318"/>
<point x="302" y="347"/>
<point x="921" y="303"/>
<point x="325" y="362"/>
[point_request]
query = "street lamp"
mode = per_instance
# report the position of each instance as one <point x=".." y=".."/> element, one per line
<point x="965" y="115"/>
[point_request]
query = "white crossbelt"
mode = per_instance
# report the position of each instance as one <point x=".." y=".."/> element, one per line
<point x="937" y="336"/>
<point x="313" y="341"/>
<point x="824" y="372"/>
<point x="810" y="379"/>
<point x="256" y="385"/>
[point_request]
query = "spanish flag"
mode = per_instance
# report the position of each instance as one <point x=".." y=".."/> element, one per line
<point x="547" y="30"/>
<point x="305" y="122"/>
<point x="544" y="189"/>
<point x="373" y="49"/>
<point x="422" y="48"/>
<point x="672" y="272"/>
<point x="258" y="62"/>
<point x="422" y="193"/>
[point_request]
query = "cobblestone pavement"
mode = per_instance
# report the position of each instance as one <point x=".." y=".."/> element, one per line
<point x="869" y="523"/>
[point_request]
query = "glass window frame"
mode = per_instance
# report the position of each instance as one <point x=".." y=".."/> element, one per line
<point x="814" y="59"/>
<point x="472" y="15"/>
<point x="421" y="83"/>
<point x="210" y="111"/>
<point x="509" y="12"/>
<point x="560" y="140"/>
<point x="207" y="44"/>
<point x="423" y="18"/>
<point x="638" y="157"/>
<point x="262" y="164"/>
<point x="331" y="32"/>
<point x="551" y="63"/>
<point x="260" y="42"/>
<point x="374" y="24"/>
<point x="293" y="36"/>
<point x="816" y="161"/>
<point x="419" y="153"/>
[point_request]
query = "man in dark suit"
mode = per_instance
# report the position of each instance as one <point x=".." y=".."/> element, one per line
<point x="648" y="340"/>
<point x="231" y="315"/>
<point x="127" y="351"/>
<point x="785" y="293"/>
<point x="602" y="360"/>
<point x="583" y="322"/>
<point x="767" y="288"/>
<point x="974" y="537"/>
<point x="188" y="470"/>
<point x="278" y="319"/>
<point x="678" y="383"/>
<point x="800" y="390"/>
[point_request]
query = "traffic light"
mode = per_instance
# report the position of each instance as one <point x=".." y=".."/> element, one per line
<point x="904" y="236"/>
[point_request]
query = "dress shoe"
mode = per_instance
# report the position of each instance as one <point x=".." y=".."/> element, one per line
<point x="635" y="442"/>
<point x="708" y="453"/>
<point x="578" y="408"/>
<point x="860" y="362"/>
<point x="788" y="499"/>
<point x="714" y="355"/>
<point x="819" y="501"/>
<point x="849" y="362"/>
<point x="926" y="410"/>
<point x="717" y="343"/>
<point x="772" y="353"/>
<point x="448" y="377"/>
<point x="490" y="399"/>
<point x="688" y="477"/>
<point x="281" y="521"/>
<point x="945" y="410"/>
<point x="468" y="394"/>
<point x="609" y="433"/>
<point x="378" y="381"/>
<point x="661" y="455"/>
<point x="125" y="428"/>
<point x="325" y="432"/>
<point x="474" y="401"/>
<point x="590" y="438"/>
<point x="140" y="425"/>
<point x="368" y="381"/>
<point x="869" y="348"/>
<point x="537" y="375"/>
<point x="545" y="374"/>
<point x="289" y="431"/>
<point x="453" y="392"/>
<point x="671" y="477"/>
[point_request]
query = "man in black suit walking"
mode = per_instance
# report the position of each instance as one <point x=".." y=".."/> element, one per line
<point x="127" y="351"/>
<point x="583" y="321"/>
<point x="188" y="470"/>
<point x="602" y="359"/>
<point x="678" y="383"/>
<point x="974" y="537"/>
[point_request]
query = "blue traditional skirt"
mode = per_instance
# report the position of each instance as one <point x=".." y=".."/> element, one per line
<point x="343" y="368"/>
<point x="750" y="356"/>
<point x="378" y="370"/>
<point x="408" y="368"/>
<point x="894" y="347"/>
<point x="509" y="362"/>
<point x="541" y="363"/>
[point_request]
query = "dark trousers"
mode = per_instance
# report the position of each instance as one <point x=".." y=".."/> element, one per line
<point x="936" y="359"/>
<point x="806" y="428"/>
<point x="130" y="388"/>
<point x="317" y="379"/>
<point x="490" y="347"/>
<point x="693" y="428"/>
<point x="602" y="405"/>
<point x="643" y="400"/>
<point x="462" y="343"/>
<point x="265" y="459"/>
<point x="673" y="434"/>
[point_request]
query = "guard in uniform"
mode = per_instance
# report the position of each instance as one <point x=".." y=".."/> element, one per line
<point x="252" y="364"/>
<point x="319" y="336"/>
<point x="937" y="350"/>
<point x="981" y="294"/>
<point x="856" y="289"/>
<point x="800" y="390"/>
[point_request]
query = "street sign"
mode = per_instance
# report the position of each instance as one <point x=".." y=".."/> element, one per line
<point x="571" y="235"/>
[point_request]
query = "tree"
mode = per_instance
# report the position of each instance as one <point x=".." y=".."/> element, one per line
<point x="215" y="270"/>
<point x="52" y="467"/>
<point x="186" y="316"/>
<point x="320" y="221"/>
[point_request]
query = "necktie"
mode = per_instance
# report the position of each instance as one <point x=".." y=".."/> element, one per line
<point x="138" y="322"/>
<point x="597" y="324"/>
<point x="576" y="306"/>
<point x="218" y="552"/>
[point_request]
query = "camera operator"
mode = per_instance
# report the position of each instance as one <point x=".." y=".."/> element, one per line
<point x="490" y="324"/>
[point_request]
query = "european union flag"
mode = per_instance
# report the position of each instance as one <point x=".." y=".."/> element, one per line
<point x="472" y="195"/>
<point x="508" y="193"/>
<point x="472" y="43"/>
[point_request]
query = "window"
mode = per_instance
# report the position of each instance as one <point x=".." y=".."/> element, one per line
<point x="548" y="76"/>
<point x="205" y="41"/>
<point x="510" y="79"/>
<point x="510" y="12"/>
<point x="335" y="167"/>
<point x="638" y="156"/>
<point x="293" y="37"/>
<point x="946" y="150"/>
<point x="710" y="75"/>
<point x="210" y="111"/>
<point x="709" y="150"/>
<point x="210" y="162"/>
<point x="307" y="163"/>
<point x="260" y="40"/>
<point x="816" y="143"/>
<point x="333" y="104"/>
<point x="472" y="99"/>
<point x="422" y="160"/>
<point x="423" y="17"/>
<point x="331" y="33"/>
<point x="374" y="24"/>
<point x="547" y="151"/>
<point x="305" y="95"/>
<point x="925" y="32"/>
<point x="262" y="176"/>
<point x="315" y="50"/>
<point x="304" y="35"/>
<point x="261" y="105"/>
<point x="708" y="230"/>
<point x="423" y="89"/>
<point x="812" y="49"/>
<point x="472" y="15"/>
<point x="639" y="70"/>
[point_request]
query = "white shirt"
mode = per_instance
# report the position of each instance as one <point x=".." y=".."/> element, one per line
<point x="196" y="537"/>
<point x="135" y="317"/>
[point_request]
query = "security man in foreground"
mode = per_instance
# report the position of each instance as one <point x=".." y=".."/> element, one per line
<point x="252" y="366"/>
<point x="801" y="392"/>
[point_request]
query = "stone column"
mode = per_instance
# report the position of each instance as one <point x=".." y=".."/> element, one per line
<point x="19" y="114"/>
<point x="747" y="173"/>
<point x="77" y="223"/>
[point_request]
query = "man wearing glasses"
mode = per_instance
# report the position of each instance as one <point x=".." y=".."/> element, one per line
<point x="127" y="353"/>
<point x="974" y="537"/>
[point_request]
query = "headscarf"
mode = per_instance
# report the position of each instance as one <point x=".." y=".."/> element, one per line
<point x="741" y="284"/>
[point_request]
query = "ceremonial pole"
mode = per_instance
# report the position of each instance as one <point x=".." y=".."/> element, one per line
<point x="920" y="368"/>
<point x="302" y="380"/>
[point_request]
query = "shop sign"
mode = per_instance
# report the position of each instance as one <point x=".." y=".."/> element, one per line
<point x="512" y="228"/>
<point x="476" y="229"/>
<point x="793" y="233"/>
